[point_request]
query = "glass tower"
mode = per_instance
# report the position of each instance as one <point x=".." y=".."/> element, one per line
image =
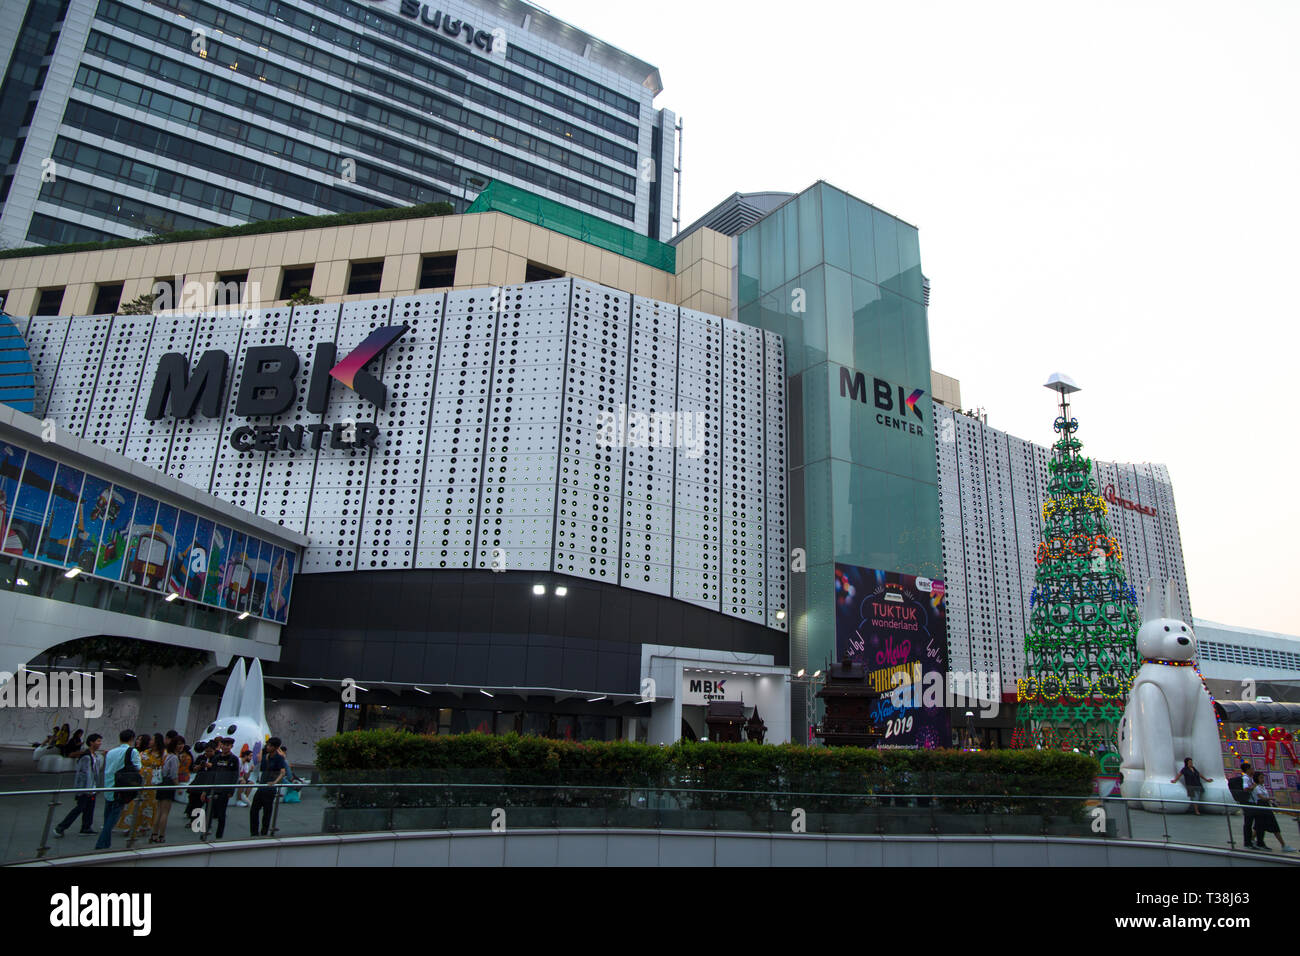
<point x="841" y="281"/>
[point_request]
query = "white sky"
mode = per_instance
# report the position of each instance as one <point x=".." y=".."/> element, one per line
<point x="1127" y="170"/>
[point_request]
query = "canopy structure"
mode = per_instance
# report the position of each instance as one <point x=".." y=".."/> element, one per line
<point x="1258" y="713"/>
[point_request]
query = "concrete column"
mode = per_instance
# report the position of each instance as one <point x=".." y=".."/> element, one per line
<point x="165" y="694"/>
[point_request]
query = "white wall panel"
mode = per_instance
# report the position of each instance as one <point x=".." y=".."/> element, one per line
<point x="453" y="467"/>
<point x="150" y="443"/>
<point x="517" y="508"/>
<point x="743" y="532"/>
<point x="195" y="443"/>
<point x="652" y="441"/>
<point x="589" y="506"/>
<point x="289" y="471"/>
<point x="697" y="502"/>
<point x="118" y="390"/>
<point x="45" y="335"/>
<point x="71" y="391"/>
<point x="238" y="475"/>
<point x="339" y="495"/>
<point x="776" y="510"/>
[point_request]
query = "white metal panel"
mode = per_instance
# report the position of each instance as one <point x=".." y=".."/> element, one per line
<point x="652" y="440"/>
<point x="775" y="434"/>
<point x="743" y="533"/>
<point x="44" y="336"/>
<point x="697" y="499"/>
<point x="589" y="496"/>
<point x="290" y="470"/>
<point x="195" y="443"/>
<point x="238" y="475"/>
<point x="453" y="467"/>
<point x="71" y="393"/>
<point x="516" y="518"/>
<point x="121" y="380"/>
<point x="147" y="442"/>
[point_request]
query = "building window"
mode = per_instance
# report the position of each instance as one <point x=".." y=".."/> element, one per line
<point x="107" y="299"/>
<point x="230" y="289"/>
<point x="364" y="277"/>
<point x="538" y="273"/>
<point x="296" y="280"/>
<point x="50" y="302"/>
<point x="437" y="272"/>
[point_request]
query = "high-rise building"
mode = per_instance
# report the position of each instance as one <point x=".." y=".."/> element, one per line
<point x="120" y="118"/>
<point x="992" y="486"/>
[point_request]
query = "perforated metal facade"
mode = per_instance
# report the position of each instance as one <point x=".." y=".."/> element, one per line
<point x="559" y="426"/>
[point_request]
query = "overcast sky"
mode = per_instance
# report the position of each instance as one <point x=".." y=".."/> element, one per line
<point x="1108" y="189"/>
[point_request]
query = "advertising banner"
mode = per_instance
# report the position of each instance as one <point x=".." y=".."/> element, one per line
<point x="893" y="624"/>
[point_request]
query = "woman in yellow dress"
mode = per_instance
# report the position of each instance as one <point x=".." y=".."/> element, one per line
<point x="139" y="817"/>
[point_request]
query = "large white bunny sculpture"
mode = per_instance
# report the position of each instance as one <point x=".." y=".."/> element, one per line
<point x="1169" y="716"/>
<point x="242" y="714"/>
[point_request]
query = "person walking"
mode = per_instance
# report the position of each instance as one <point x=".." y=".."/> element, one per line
<point x="121" y="758"/>
<point x="165" y="795"/>
<point x="152" y="755"/>
<point x="273" y="767"/>
<point x="1240" y="787"/>
<point x="90" y="774"/>
<point x="245" y="776"/>
<point x="1265" y="818"/>
<point x="225" y="775"/>
<point x="1193" y="781"/>
<point x="198" y="780"/>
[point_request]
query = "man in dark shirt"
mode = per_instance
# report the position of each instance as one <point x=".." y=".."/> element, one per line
<point x="199" y="774"/>
<point x="222" y="769"/>
<point x="273" y="769"/>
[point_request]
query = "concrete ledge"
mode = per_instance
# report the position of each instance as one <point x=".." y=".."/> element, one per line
<point x="602" y="847"/>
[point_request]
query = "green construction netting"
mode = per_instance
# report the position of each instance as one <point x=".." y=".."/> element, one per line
<point x="549" y="214"/>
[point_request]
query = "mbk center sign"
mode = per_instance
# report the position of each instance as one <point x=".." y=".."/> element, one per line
<point x="269" y="386"/>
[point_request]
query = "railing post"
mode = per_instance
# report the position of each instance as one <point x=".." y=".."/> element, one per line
<point x="45" y="831"/>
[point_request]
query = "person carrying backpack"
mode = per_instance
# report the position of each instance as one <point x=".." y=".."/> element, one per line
<point x="90" y="774"/>
<point x="122" y="771"/>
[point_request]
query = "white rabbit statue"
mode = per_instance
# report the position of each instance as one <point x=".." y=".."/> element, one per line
<point x="242" y="714"/>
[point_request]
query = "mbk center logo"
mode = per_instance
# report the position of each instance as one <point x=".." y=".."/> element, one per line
<point x="854" y="385"/>
<point x="268" y="387"/>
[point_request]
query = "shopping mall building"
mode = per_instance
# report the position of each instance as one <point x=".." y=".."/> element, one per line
<point x="525" y="466"/>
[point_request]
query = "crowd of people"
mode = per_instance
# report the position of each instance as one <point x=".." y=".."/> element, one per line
<point x="149" y="774"/>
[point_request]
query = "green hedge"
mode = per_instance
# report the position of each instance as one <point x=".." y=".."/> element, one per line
<point x="385" y="756"/>
<point x="423" y="211"/>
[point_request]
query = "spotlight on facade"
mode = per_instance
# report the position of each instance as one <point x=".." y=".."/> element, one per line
<point x="539" y="588"/>
<point x="561" y="590"/>
<point x="485" y="693"/>
<point x="817" y="674"/>
<point x="801" y="672"/>
<point x="171" y="597"/>
<point x="780" y="615"/>
<point x="71" y="572"/>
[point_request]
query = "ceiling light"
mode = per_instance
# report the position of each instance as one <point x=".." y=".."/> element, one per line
<point x="71" y="572"/>
<point x="244" y="615"/>
<point x="297" y="684"/>
<point x="817" y="673"/>
<point x="592" y="700"/>
<point x="171" y="597"/>
<point x="22" y="582"/>
<point x="801" y="673"/>
<point x="485" y="693"/>
<point x="539" y="588"/>
<point x="561" y="590"/>
<point x="423" y="691"/>
<point x="780" y="615"/>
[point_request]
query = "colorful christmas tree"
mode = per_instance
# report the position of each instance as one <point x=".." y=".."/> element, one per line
<point x="1080" y="652"/>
